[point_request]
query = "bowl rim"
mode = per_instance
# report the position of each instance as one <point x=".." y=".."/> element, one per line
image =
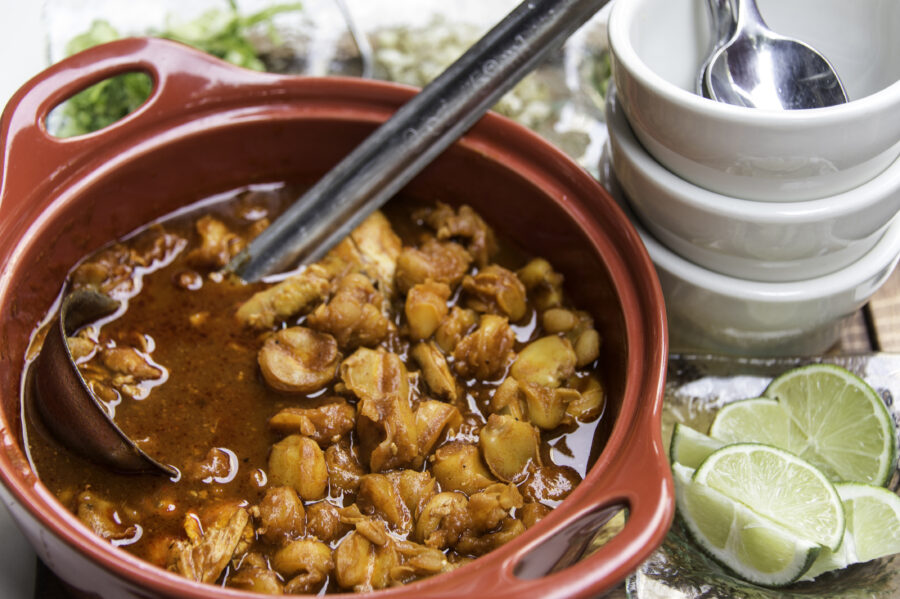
<point x="785" y="213"/>
<point x="622" y="16"/>
<point x="555" y="174"/>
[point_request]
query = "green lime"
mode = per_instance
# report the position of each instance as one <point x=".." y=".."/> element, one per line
<point x="751" y="546"/>
<point x="760" y="420"/>
<point x="780" y="486"/>
<point x="873" y="528"/>
<point x="848" y="430"/>
<point x="690" y="447"/>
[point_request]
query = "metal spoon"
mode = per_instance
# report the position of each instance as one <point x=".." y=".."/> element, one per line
<point x="343" y="198"/>
<point x="723" y="21"/>
<point x="758" y="68"/>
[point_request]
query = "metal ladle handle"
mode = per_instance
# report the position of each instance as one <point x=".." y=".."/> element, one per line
<point x="385" y="161"/>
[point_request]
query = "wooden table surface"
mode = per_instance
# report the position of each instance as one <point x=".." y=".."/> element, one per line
<point x="877" y="326"/>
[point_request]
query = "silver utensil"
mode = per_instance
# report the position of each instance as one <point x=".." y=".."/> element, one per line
<point x="723" y="22"/>
<point x="759" y="68"/>
<point x="383" y="163"/>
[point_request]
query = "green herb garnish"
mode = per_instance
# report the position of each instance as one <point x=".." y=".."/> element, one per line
<point x="224" y="33"/>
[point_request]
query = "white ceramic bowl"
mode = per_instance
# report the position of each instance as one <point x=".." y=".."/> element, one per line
<point x="711" y="312"/>
<point x="765" y="241"/>
<point x="657" y="47"/>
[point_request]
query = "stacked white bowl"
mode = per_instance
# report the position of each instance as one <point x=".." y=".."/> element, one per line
<point x="767" y="228"/>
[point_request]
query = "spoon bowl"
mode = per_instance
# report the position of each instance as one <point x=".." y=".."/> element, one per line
<point x="68" y="407"/>
<point x="759" y="68"/>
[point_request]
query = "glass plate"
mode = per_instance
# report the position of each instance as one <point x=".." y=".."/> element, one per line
<point x="697" y="387"/>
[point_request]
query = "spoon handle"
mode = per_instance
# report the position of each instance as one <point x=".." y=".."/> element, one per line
<point x="723" y="14"/>
<point x="385" y="161"/>
<point x="748" y="13"/>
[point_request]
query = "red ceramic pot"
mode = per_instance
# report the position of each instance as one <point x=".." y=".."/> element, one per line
<point x="210" y="127"/>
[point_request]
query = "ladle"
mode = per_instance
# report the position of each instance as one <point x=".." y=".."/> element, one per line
<point x="759" y="68"/>
<point x="68" y="407"/>
<point x="362" y="182"/>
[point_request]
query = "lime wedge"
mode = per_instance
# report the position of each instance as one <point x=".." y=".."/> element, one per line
<point x="873" y="518"/>
<point x="849" y="432"/>
<point x="780" y="486"/>
<point x="749" y="545"/>
<point x="873" y="528"/>
<point x="690" y="447"/>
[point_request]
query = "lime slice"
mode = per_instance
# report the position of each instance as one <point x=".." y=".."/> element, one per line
<point x="873" y="528"/>
<point x="760" y="420"/>
<point x="780" y="486"/>
<point x="689" y="447"/>
<point x="749" y="545"/>
<point x="849" y="431"/>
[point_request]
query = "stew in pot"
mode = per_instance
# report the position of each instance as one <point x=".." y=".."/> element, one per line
<point x="417" y="398"/>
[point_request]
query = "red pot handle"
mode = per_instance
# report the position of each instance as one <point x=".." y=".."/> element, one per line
<point x="182" y="82"/>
